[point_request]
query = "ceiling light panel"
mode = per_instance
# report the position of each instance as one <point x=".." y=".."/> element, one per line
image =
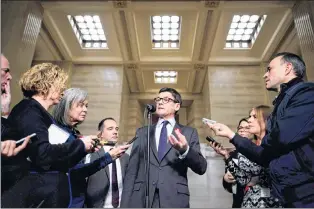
<point x="165" y="32"/>
<point x="166" y="77"/>
<point x="89" y="31"/>
<point x="244" y="30"/>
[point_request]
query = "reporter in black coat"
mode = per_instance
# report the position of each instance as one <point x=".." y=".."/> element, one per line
<point x="43" y="86"/>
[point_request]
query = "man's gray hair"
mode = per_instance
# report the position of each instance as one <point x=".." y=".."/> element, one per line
<point x="61" y="110"/>
<point x="297" y="62"/>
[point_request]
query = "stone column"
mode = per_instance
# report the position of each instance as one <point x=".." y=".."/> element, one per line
<point x="20" y="26"/>
<point x="303" y="13"/>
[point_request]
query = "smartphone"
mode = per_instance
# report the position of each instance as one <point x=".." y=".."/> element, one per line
<point x="211" y="139"/>
<point x="23" y="139"/>
<point x="205" y="121"/>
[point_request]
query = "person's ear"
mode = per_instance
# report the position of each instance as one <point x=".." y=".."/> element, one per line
<point x="288" y="68"/>
<point x="177" y="106"/>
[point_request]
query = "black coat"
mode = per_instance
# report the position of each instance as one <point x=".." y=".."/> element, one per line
<point x="238" y="196"/>
<point x="49" y="161"/>
<point x="12" y="168"/>
<point x="287" y="149"/>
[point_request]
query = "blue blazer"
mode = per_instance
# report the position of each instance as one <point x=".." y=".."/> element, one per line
<point x="81" y="171"/>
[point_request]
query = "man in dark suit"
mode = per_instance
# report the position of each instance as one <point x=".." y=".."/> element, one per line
<point x="170" y="159"/>
<point x="105" y="187"/>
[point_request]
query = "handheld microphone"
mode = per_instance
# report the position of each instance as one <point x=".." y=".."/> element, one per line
<point x="132" y="140"/>
<point x="151" y="108"/>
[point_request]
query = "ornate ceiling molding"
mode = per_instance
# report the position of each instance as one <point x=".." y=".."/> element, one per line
<point x="131" y="67"/>
<point x="211" y="4"/>
<point x="199" y="66"/>
<point x="120" y="4"/>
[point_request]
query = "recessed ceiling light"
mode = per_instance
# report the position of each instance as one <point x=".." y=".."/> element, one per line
<point x="244" y="28"/>
<point x="172" y="73"/>
<point x="157" y="37"/>
<point x="245" y="45"/>
<point x="175" y="19"/>
<point x="228" y="45"/>
<point x="88" y="30"/>
<point x="230" y="37"/>
<point x="156" y="19"/>
<point x="173" y="45"/>
<point x="157" y="45"/>
<point x="174" y="31"/>
<point x="165" y="45"/>
<point x="157" y="31"/>
<point x="166" y="29"/>
<point x="165" y="76"/>
<point x="246" y="37"/>
<point x="254" y="18"/>
<point x="165" y="37"/>
<point x="236" y="45"/>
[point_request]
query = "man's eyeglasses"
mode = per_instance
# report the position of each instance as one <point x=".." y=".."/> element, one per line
<point x="165" y="100"/>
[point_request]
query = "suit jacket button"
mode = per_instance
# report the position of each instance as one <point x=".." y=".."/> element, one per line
<point x="154" y="183"/>
<point x="159" y="168"/>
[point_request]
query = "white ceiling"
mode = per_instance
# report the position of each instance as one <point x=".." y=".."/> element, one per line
<point x="204" y="28"/>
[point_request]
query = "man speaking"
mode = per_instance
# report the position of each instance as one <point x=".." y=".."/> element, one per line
<point x="174" y="148"/>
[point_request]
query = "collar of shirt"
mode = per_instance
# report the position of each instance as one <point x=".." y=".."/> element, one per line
<point x="171" y="121"/>
<point x="284" y="87"/>
<point x="107" y="148"/>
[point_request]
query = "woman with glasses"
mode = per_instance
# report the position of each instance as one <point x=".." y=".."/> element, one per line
<point x="69" y="113"/>
<point x="247" y="173"/>
<point x="228" y="181"/>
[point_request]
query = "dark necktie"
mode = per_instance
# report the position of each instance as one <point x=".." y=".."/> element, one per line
<point x="114" y="186"/>
<point x="163" y="140"/>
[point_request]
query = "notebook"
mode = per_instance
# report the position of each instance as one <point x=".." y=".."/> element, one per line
<point x="57" y="135"/>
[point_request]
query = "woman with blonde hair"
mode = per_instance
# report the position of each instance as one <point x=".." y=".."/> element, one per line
<point x="247" y="173"/>
<point x="48" y="158"/>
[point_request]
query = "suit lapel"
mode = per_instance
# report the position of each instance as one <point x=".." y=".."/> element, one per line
<point x="102" y="153"/>
<point x="122" y="164"/>
<point x="169" y="146"/>
<point x="152" y="140"/>
<point x="107" y="172"/>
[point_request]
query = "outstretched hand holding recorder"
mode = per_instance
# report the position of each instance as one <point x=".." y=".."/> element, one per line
<point x="219" y="149"/>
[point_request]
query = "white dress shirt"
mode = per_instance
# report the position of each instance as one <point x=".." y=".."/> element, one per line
<point x="170" y="127"/>
<point x="108" y="198"/>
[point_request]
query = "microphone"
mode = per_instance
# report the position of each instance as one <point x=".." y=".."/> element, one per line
<point x="132" y="140"/>
<point x="151" y="108"/>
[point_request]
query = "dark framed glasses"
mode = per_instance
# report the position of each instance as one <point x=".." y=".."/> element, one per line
<point x="165" y="100"/>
